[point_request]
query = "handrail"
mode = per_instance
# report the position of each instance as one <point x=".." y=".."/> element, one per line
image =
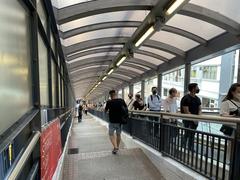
<point x="192" y="117"/>
<point x="62" y="115"/>
<point x="17" y="167"/>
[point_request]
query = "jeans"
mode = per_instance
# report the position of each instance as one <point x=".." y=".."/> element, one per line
<point x="189" y="135"/>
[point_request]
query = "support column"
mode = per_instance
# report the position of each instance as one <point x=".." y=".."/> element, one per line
<point x="187" y="76"/>
<point x="226" y="74"/>
<point x="142" y="89"/>
<point x="131" y="88"/>
<point x="159" y="84"/>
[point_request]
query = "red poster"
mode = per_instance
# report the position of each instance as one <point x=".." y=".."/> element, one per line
<point x="50" y="149"/>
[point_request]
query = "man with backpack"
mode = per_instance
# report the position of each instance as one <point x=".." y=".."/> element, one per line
<point x="154" y="104"/>
<point x="118" y="115"/>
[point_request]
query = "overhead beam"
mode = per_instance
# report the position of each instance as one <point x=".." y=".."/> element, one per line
<point x="122" y="40"/>
<point x="124" y="24"/>
<point x="211" y="17"/>
<point x="103" y="50"/>
<point x="91" y="8"/>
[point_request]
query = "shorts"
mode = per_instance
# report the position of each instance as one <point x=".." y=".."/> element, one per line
<point x="114" y="127"/>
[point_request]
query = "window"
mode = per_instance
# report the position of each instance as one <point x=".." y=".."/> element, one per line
<point x="165" y="92"/>
<point x="54" y="84"/>
<point x="43" y="72"/>
<point x="120" y="93"/>
<point x="209" y="72"/>
<point x="15" y="60"/>
<point x="42" y="13"/>
<point x="126" y="92"/>
<point x="137" y="88"/>
<point x="193" y="73"/>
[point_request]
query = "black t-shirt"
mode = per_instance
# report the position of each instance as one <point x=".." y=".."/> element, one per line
<point x="114" y="106"/>
<point x="137" y="106"/>
<point x="193" y="103"/>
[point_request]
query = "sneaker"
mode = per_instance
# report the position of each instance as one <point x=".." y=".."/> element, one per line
<point x="114" y="151"/>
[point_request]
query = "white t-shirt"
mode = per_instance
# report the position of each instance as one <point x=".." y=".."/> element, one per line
<point x="170" y="105"/>
<point x="227" y="107"/>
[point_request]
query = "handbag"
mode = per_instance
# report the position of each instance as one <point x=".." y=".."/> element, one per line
<point x="226" y="130"/>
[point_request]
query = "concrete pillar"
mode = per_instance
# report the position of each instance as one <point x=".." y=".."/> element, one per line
<point x="226" y="74"/>
<point x="187" y="76"/>
<point x="142" y="88"/>
<point x="159" y="84"/>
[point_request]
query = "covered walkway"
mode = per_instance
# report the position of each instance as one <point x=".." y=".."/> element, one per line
<point x="89" y="156"/>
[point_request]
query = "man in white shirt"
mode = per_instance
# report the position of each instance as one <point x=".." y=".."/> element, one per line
<point x="130" y="101"/>
<point x="154" y="104"/>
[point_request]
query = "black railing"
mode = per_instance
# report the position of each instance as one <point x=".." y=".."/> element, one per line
<point x="211" y="155"/>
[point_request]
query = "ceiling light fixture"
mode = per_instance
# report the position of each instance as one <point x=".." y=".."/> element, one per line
<point x="105" y="77"/>
<point x="174" y="6"/>
<point x="121" y="60"/>
<point x="110" y="72"/>
<point x="145" y="36"/>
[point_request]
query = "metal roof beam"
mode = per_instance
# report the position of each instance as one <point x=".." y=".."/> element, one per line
<point x="91" y="8"/>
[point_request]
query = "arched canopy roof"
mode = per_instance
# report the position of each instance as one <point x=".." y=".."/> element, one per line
<point x="94" y="32"/>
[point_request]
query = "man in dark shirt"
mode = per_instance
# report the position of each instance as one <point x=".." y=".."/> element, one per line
<point x="138" y="103"/>
<point x="114" y="106"/>
<point x="191" y="104"/>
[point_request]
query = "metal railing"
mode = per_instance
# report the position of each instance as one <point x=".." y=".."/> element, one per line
<point x="211" y="155"/>
<point x="23" y="157"/>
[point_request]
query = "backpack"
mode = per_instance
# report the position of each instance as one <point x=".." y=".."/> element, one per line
<point x="124" y="113"/>
<point x="152" y="99"/>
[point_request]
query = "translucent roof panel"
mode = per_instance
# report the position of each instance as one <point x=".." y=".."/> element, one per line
<point x="64" y="3"/>
<point x="227" y="8"/>
<point x="89" y="67"/>
<point x="157" y="51"/>
<point x="175" y="40"/>
<point x="137" y="15"/>
<point x="113" y="32"/>
<point x="121" y="75"/>
<point x="126" y="63"/>
<point x="99" y="47"/>
<point x="93" y="55"/>
<point x="148" y="59"/>
<point x="131" y="69"/>
<point x="195" y="26"/>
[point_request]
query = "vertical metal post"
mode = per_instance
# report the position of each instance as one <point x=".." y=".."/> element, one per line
<point x="35" y="60"/>
<point x="159" y="83"/>
<point x="187" y="76"/>
<point x="142" y="89"/>
<point x="235" y="156"/>
<point x="49" y="62"/>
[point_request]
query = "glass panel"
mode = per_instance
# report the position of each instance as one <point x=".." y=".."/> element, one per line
<point x="99" y="47"/>
<point x="52" y="42"/>
<point x="138" y="15"/>
<point x="195" y="26"/>
<point x="149" y="83"/>
<point x="159" y="52"/>
<point x="59" y="90"/>
<point x="148" y="59"/>
<point x="93" y="55"/>
<point x="126" y="92"/>
<point x="103" y="33"/>
<point x="42" y="14"/>
<point x="15" y="61"/>
<point x="175" y="40"/>
<point x="237" y="56"/>
<point x="131" y="69"/>
<point x="63" y="94"/>
<point x="224" y="7"/>
<point x="120" y="93"/>
<point x="43" y="71"/>
<point x="64" y="3"/>
<point x="133" y="63"/>
<point x="174" y="78"/>
<point x="137" y="88"/>
<point x="54" y="84"/>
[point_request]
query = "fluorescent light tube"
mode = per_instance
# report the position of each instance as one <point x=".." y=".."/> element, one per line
<point x="105" y="77"/>
<point x="110" y="72"/>
<point x="145" y="36"/>
<point x="121" y="60"/>
<point x="174" y="6"/>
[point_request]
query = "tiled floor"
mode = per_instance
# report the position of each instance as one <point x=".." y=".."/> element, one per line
<point x="91" y="158"/>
